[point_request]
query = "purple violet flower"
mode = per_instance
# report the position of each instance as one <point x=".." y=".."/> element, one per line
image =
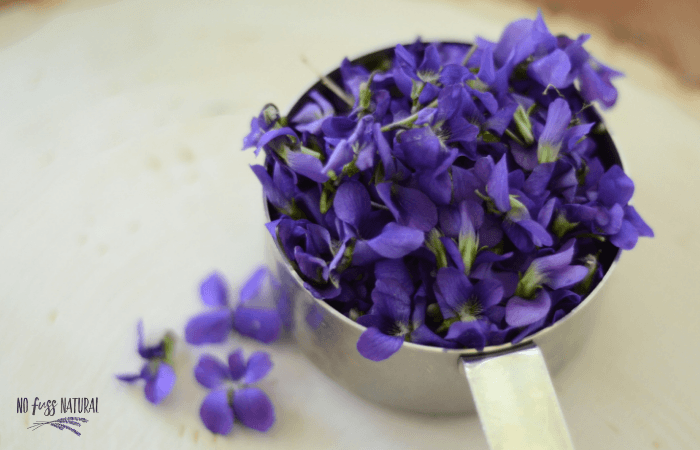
<point x="255" y="316"/>
<point x="157" y="371"/>
<point x="232" y="397"/>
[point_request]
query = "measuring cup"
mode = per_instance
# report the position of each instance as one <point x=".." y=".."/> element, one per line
<point x="509" y="385"/>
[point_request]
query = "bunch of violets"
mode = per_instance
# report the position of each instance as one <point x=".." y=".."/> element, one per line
<point x="454" y="196"/>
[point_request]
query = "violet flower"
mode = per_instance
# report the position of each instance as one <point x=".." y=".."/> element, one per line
<point x="157" y="371"/>
<point x="232" y="397"/>
<point x="254" y="316"/>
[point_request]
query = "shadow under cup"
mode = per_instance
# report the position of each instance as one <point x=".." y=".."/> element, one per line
<point x="420" y="378"/>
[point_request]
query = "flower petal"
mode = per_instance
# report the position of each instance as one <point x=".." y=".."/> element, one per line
<point x="377" y="346"/>
<point x="253" y="285"/>
<point x="636" y="220"/>
<point x="615" y="187"/>
<point x="352" y="202"/>
<point x="452" y="290"/>
<point x="307" y="165"/>
<point x="468" y="334"/>
<point x="566" y="276"/>
<point x="209" y="328"/>
<point x="159" y="386"/>
<point x="521" y="312"/>
<point x="216" y="413"/>
<point x="236" y="364"/>
<point x="258" y="366"/>
<point x="213" y="290"/>
<point x="410" y="207"/>
<point x="551" y="70"/>
<point x="497" y="186"/>
<point x="253" y="408"/>
<point x="396" y="241"/>
<point x="210" y="372"/>
<point x="260" y="324"/>
<point x="626" y="238"/>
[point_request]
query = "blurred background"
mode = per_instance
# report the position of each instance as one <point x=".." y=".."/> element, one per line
<point x="665" y="31"/>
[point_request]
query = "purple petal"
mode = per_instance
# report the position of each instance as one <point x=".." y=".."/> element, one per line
<point x="275" y="134"/>
<point x="454" y="74"/>
<point x="392" y="300"/>
<point x="210" y="372"/>
<point x="552" y="69"/>
<point x="209" y="328"/>
<point x="213" y="290"/>
<point x="410" y="207"/>
<point x="352" y="202"/>
<point x="497" y="186"/>
<point x="307" y="165"/>
<point x="271" y="191"/>
<point x="540" y="236"/>
<point x="377" y="346"/>
<point x="393" y="268"/>
<point x="259" y="364"/>
<point x="159" y="386"/>
<point x="489" y="292"/>
<point x="216" y="413"/>
<point x="636" y="220"/>
<point x="131" y="379"/>
<point x="558" y="118"/>
<point x="312" y="267"/>
<point x="253" y="408"/>
<point x="597" y="87"/>
<point x="452" y="290"/>
<point x="626" y="238"/>
<point x="421" y="148"/>
<point x="425" y="336"/>
<point x="566" y="277"/>
<point x="452" y="251"/>
<point x="396" y="241"/>
<point x="252" y="287"/>
<point x="260" y="324"/>
<point x="431" y="60"/>
<point x="521" y="312"/>
<point x="469" y="334"/>
<point x="538" y="180"/>
<point x="236" y="365"/>
<point x="615" y="187"/>
<point x="557" y="260"/>
<point x="449" y="102"/>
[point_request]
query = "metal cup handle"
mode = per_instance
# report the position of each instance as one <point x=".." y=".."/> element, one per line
<point x="516" y="402"/>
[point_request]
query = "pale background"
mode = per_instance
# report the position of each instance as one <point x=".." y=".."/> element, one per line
<point x="122" y="184"/>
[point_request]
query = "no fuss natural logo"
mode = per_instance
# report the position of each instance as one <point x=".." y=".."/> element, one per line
<point x="75" y="405"/>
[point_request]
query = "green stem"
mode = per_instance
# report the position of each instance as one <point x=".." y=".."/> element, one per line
<point x="408" y="120"/>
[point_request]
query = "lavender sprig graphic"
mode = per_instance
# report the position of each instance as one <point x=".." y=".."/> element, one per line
<point x="61" y="424"/>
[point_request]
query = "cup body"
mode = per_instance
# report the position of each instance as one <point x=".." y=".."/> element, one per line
<point x="418" y="378"/>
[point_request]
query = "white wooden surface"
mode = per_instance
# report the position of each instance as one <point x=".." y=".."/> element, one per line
<point x="122" y="184"/>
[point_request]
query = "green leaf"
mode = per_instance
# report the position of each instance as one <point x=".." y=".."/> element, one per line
<point x="584" y="286"/>
<point x="487" y="136"/>
<point x="435" y="245"/>
<point x="561" y="226"/>
<point x="468" y="245"/>
<point x="529" y="283"/>
<point x="547" y="153"/>
<point x="168" y="348"/>
<point x="478" y="85"/>
<point x="327" y="196"/>
<point x="522" y="121"/>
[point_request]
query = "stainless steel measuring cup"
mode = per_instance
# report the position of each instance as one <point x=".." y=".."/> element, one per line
<point x="509" y="385"/>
